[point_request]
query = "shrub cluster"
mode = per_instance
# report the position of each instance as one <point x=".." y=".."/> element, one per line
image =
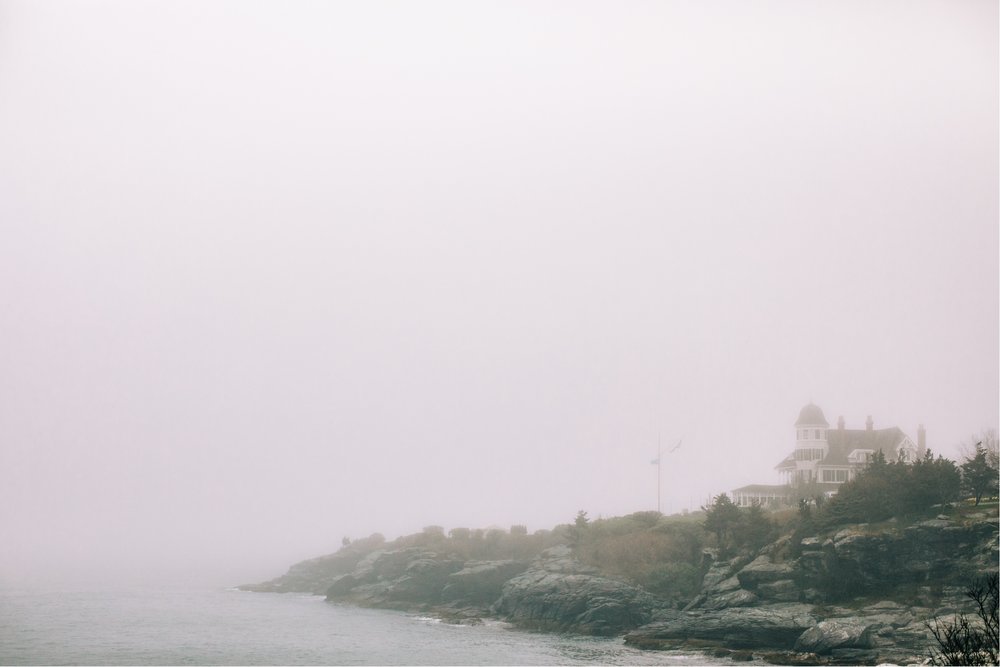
<point x="738" y="529"/>
<point x="661" y="554"/>
<point x="883" y="490"/>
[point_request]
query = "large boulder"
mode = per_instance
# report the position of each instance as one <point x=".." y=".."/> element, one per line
<point x="388" y="564"/>
<point x="388" y="578"/>
<point x="862" y="561"/>
<point x="735" y="598"/>
<point x="560" y="558"/>
<point x="783" y="590"/>
<point x="584" y="603"/>
<point x="422" y="580"/>
<point x="775" y="626"/>
<point x="481" y="582"/>
<point x="825" y="636"/>
<point x="762" y="570"/>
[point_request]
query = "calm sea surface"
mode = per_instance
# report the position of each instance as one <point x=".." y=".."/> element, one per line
<point x="228" y="627"/>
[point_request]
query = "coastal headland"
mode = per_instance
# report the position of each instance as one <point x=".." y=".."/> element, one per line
<point x="856" y="593"/>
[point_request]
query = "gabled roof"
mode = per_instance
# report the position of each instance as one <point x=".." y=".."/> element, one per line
<point x="844" y="441"/>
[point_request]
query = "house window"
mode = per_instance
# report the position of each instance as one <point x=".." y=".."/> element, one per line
<point x="818" y="436"/>
<point x="841" y="475"/>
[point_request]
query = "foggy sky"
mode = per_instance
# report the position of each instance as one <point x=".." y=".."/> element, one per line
<point x="272" y="274"/>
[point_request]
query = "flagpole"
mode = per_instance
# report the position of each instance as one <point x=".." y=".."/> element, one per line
<point x="659" y="463"/>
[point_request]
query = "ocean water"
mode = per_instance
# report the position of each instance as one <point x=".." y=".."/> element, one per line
<point x="227" y="627"/>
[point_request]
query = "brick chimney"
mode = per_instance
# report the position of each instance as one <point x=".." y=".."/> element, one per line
<point x="869" y="425"/>
<point x="840" y="422"/>
<point x="921" y="441"/>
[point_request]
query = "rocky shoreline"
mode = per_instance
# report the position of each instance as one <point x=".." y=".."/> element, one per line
<point x="861" y="595"/>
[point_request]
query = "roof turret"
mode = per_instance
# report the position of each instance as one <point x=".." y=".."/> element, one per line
<point x="811" y="415"/>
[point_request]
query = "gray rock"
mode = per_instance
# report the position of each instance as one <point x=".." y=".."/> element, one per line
<point x="422" y="581"/>
<point x="341" y="585"/>
<point x="854" y="656"/>
<point x="783" y="590"/>
<point x="774" y="626"/>
<point x="584" y="603"/>
<point x="839" y="634"/>
<point x="847" y="535"/>
<point x="895" y="619"/>
<point x="883" y="606"/>
<point x="481" y="582"/>
<point x="560" y="559"/>
<point x="716" y="574"/>
<point x="310" y="576"/>
<point x="762" y="570"/>
<point x="737" y="598"/>
<point x="726" y="585"/>
<point x="777" y="546"/>
<point x="388" y="577"/>
<point x="384" y="563"/>
<point x="812" y="595"/>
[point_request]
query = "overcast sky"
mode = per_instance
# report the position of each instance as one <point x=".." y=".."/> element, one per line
<point x="275" y="273"/>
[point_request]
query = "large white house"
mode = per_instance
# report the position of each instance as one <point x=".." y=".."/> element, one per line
<point x="825" y="457"/>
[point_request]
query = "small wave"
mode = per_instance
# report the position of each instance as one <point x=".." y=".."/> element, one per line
<point x="427" y="619"/>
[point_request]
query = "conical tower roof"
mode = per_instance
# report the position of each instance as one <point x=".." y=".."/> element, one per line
<point x="811" y="415"/>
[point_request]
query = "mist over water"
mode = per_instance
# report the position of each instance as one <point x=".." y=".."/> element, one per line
<point x="273" y="275"/>
<point x="155" y="625"/>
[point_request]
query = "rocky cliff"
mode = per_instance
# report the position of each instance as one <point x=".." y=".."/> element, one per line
<point x="859" y="595"/>
<point x="551" y="592"/>
<point x="855" y="595"/>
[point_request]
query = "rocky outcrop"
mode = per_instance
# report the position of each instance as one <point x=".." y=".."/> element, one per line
<point x="857" y="560"/>
<point x="586" y="603"/>
<point x="310" y="576"/>
<point x="828" y="635"/>
<point x="481" y="582"/>
<point x="554" y="591"/>
<point x="411" y="578"/>
<point x="855" y="595"/>
<point x="784" y="601"/>
<point x="778" y="625"/>
<point x="763" y="570"/>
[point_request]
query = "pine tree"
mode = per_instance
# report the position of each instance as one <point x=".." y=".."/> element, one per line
<point x="978" y="476"/>
<point x="721" y="518"/>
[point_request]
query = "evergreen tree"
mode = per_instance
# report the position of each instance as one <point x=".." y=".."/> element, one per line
<point x="978" y="476"/>
<point x="932" y="482"/>
<point x="578" y="528"/>
<point x="721" y="518"/>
